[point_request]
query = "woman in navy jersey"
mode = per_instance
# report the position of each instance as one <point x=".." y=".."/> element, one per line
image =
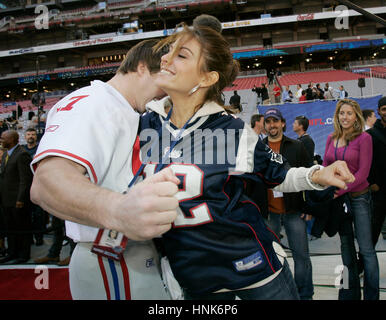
<point x="219" y="246"/>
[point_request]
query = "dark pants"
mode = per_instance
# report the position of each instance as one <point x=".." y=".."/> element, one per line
<point x="379" y="213"/>
<point x="352" y="289"/>
<point x="59" y="236"/>
<point x="18" y="226"/>
<point x="361" y="213"/>
<point x="296" y="230"/>
<point x="38" y="222"/>
<point x="282" y="287"/>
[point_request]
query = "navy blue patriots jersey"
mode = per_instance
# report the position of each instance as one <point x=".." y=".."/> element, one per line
<point x="219" y="239"/>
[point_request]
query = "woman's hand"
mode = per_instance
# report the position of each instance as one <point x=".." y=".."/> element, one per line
<point x="336" y="174"/>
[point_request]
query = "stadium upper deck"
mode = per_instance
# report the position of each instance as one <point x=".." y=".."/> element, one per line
<point x="291" y="35"/>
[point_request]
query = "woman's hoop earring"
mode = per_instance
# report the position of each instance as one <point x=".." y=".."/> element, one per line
<point x="194" y="89"/>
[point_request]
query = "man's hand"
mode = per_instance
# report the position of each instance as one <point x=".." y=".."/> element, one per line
<point x="336" y="174"/>
<point x="306" y="217"/>
<point x="149" y="208"/>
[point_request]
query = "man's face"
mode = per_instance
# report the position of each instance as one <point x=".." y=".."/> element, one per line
<point x="6" y="140"/>
<point x="31" y="137"/>
<point x="153" y="91"/>
<point x="259" y="126"/>
<point x="296" y="127"/>
<point x="371" y="120"/>
<point x="274" y="127"/>
<point x="382" y="113"/>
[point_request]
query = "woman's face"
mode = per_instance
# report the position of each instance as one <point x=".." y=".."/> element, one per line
<point x="347" y="116"/>
<point x="182" y="73"/>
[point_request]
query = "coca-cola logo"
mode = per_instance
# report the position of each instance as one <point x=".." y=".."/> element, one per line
<point x="307" y="16"/>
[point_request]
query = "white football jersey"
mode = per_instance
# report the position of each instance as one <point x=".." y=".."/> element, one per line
<point x="96" y="127"/>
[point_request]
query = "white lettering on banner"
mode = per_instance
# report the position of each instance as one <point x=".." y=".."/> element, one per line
<point x="93" y="42"/>
<point x="21" y="51"/>
<point x="237" y="24"/>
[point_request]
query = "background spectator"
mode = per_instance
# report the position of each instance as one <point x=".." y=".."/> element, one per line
<point x="328" y="92"/>
<point x="342" y="93"/>
<point x="310" y="94"/>
<point x="370" y="118"/>
<point x="15" y="183"/>
<point x="37" y="214"/>
<point x="377" y="176"/>
<point x="257" y="90"/>
<point x="257" y="124"/>
<point x="277" y="93"/>
<point x="319" y="92"/>
<point x="303" y="97"/>
<point x="234" y="101"/>
<point x="299" y="91"/>
<point x="288" y="206"/>
<point x="287" y="94"/>
<point x="300" y="127"/>
<point x="348" y="142"/>
<point x="3" y="249"/>
<point x="264" y="94"/>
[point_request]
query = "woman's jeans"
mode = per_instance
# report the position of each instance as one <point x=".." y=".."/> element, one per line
<point x="296" y="230"/>
<point x="280" y="288"/>
<point x="361" y="213"/>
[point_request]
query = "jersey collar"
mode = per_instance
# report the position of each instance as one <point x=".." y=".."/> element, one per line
<point x="207" y="109"/>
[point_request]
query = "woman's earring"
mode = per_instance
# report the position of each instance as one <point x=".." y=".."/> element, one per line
<point x="194" y="89"/>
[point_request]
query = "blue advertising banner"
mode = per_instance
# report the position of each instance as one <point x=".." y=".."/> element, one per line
<point x="320" y="115"/>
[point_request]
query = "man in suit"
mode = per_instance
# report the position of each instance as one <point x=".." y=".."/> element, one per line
<point x="15" y="183"/>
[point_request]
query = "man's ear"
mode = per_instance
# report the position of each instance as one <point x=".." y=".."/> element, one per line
<point x="210" y="79"/>
<point x="141" y="68"/>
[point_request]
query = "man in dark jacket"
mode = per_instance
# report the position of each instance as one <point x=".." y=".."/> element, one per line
<point x="264" y="94"/>
<point x="300" y="127"/>
<point x="289" y="206"/>
<point x="15" y="183"/>
<point x="377" y="176"/>
<point x="234" y="101"/>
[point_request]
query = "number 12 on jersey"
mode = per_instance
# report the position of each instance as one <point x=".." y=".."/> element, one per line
<point x="192" y="188"/>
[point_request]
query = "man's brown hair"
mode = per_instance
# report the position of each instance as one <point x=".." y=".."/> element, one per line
<point x="142" y="52"/>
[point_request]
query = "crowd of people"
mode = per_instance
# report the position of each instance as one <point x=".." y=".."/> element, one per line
<point x="310" y="93"/>
<point x="23" y="223"/>
<point x="358" y="139"/>
<point x="219" y="241"/>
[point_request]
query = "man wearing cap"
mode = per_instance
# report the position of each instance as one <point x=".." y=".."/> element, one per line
<point x="377" y="176"/>
<point x="289" y="206"/>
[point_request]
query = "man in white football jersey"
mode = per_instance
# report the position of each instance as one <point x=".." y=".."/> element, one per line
<point x="83" y="167"/>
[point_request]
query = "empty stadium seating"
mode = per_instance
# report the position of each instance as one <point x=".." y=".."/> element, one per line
<point x="317" y="76"/>
<point x="247" y="83"/>
<point x="377" y="71"/>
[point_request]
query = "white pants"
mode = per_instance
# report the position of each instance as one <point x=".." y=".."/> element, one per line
<point x="136" y="277"/>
